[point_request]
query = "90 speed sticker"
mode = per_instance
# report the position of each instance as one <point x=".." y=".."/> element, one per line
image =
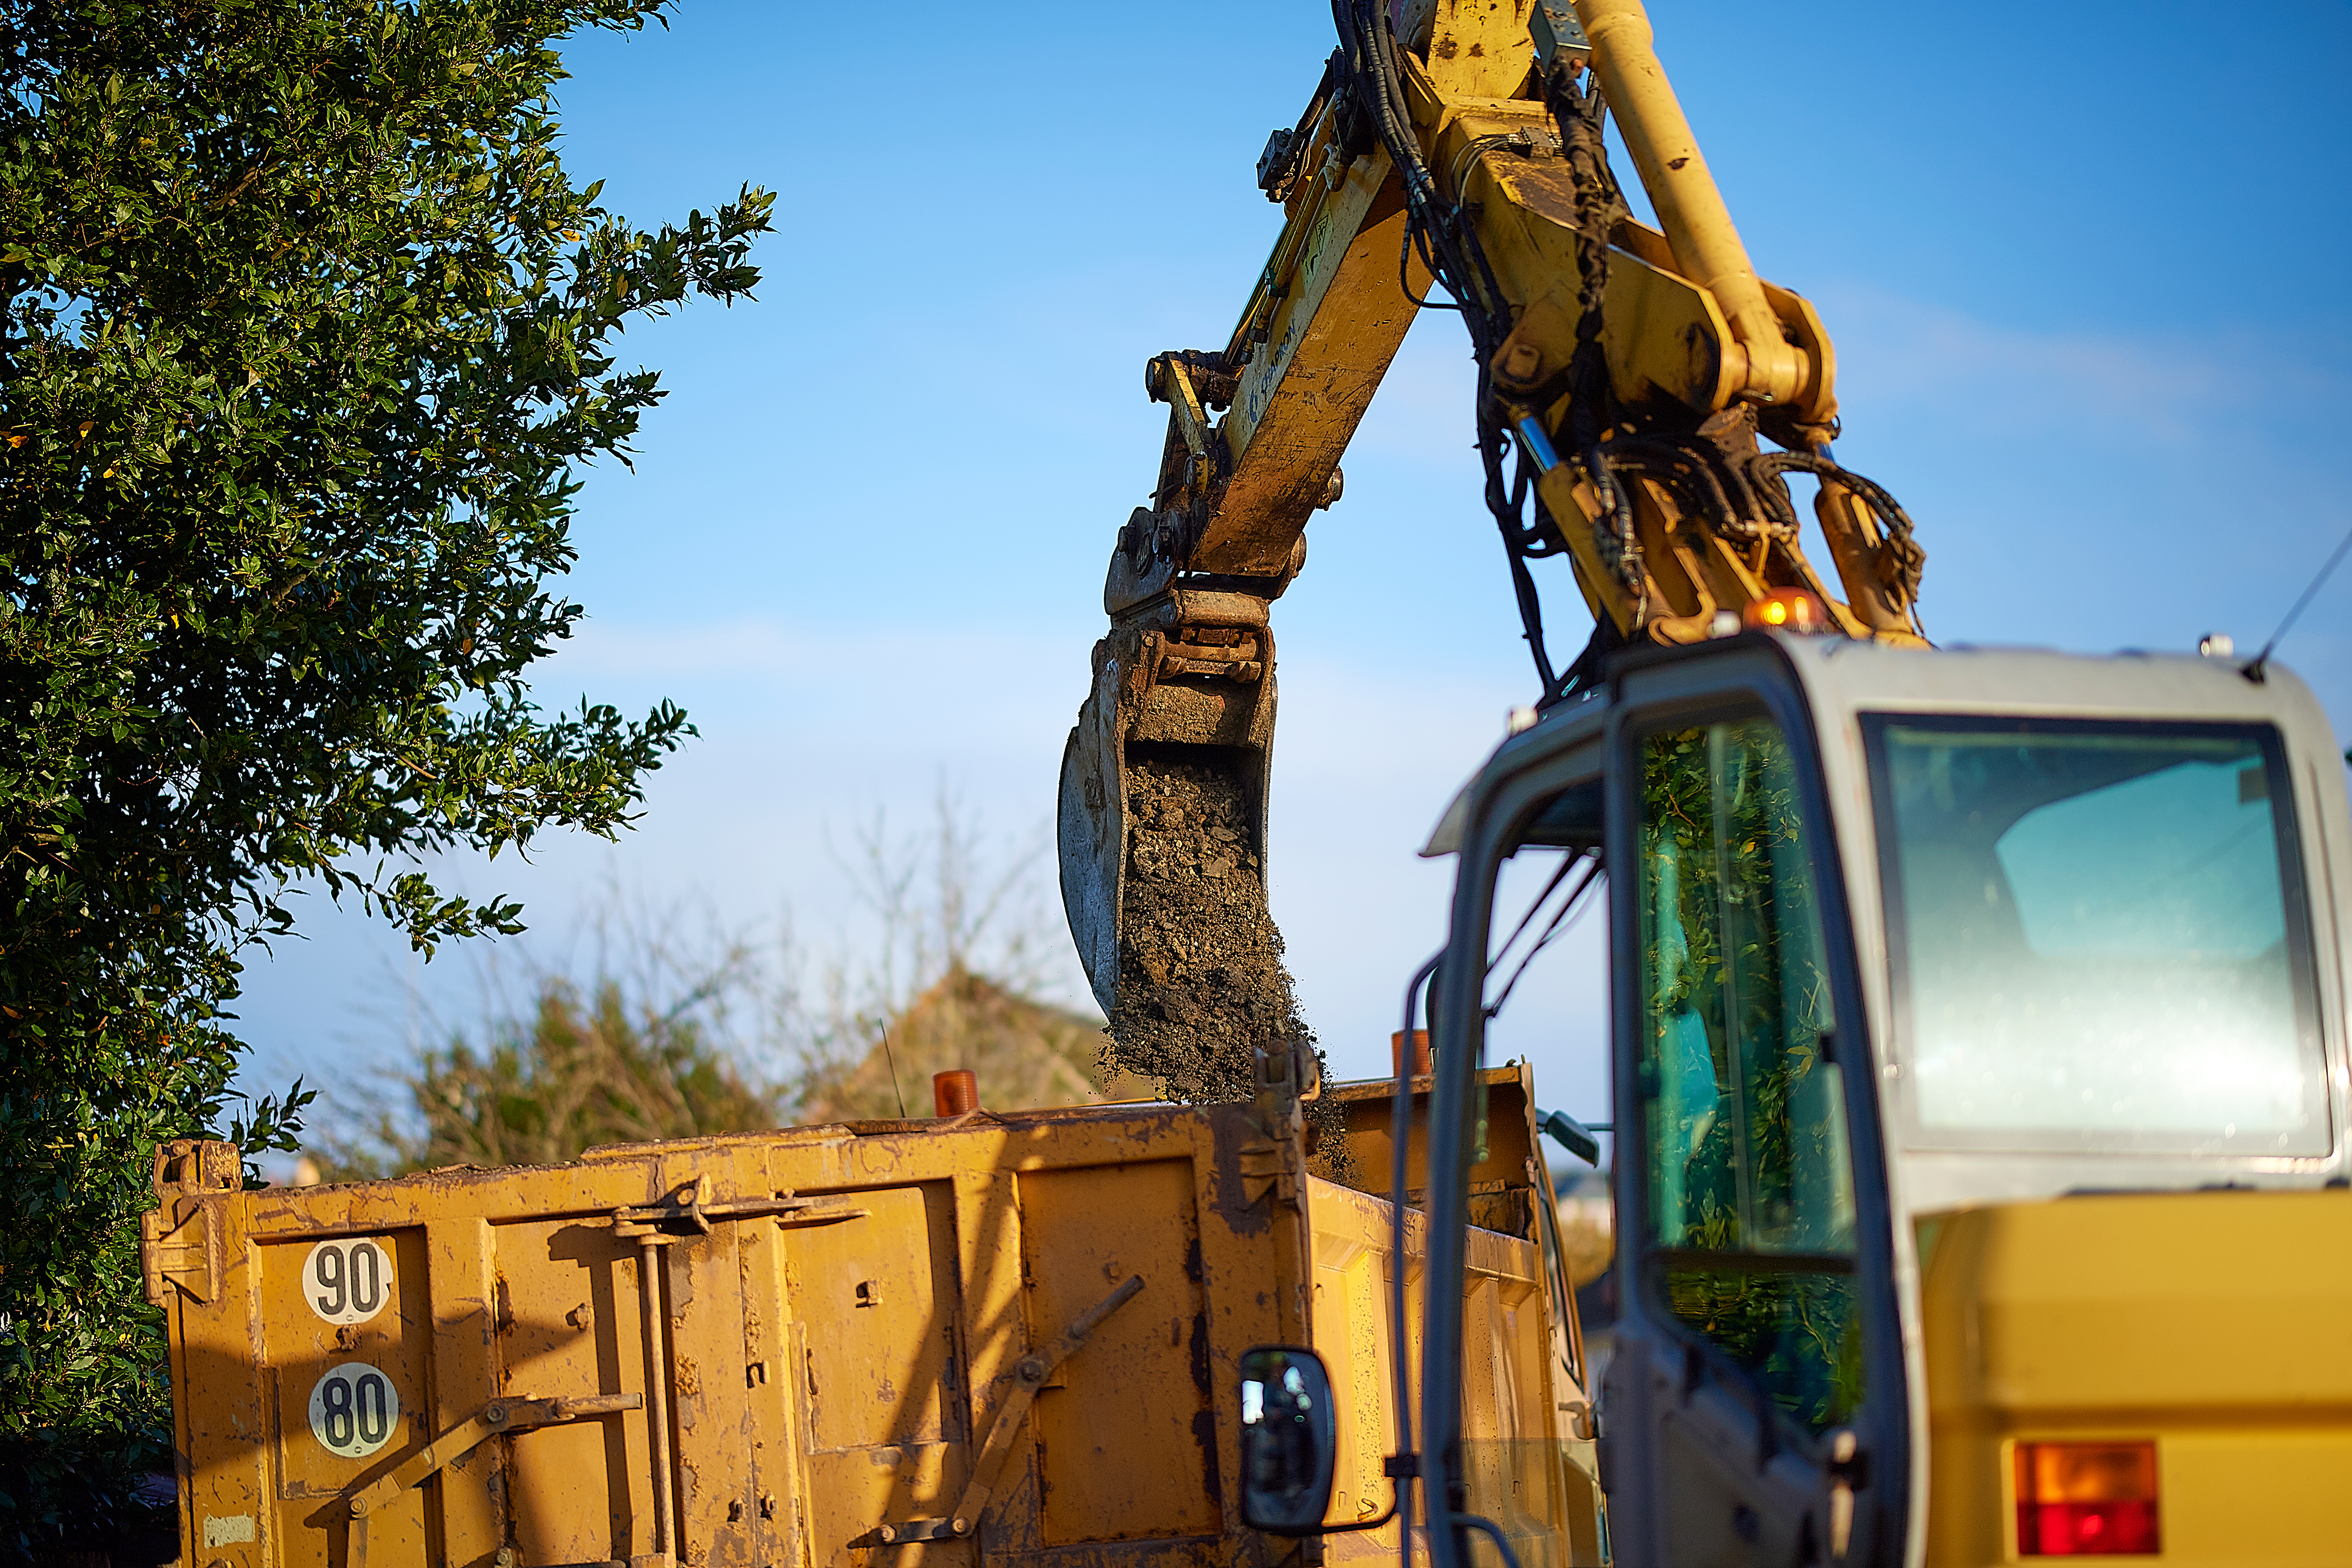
<point x="348" y="1281"/>
<point x="354" y="1410"/>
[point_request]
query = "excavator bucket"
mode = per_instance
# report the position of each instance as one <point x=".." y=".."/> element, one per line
<point x="1161" y="822"/>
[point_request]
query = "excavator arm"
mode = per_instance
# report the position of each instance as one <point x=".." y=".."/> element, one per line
<point x="1631" y="380"/>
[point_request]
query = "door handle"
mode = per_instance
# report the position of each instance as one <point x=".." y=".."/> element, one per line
<point x="1849" y="1472"/>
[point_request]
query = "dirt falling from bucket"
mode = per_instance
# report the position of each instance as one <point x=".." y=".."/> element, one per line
<point x="1201" y="979"/>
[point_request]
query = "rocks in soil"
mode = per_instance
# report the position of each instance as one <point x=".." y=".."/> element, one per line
<point x="1201" y="981"/>
<point x="1202" y="985"/>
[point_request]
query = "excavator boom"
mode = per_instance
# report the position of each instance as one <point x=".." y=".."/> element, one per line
<point x="1627" y="374"/>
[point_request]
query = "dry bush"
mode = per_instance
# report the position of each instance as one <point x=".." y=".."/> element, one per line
<point x="651" y="1043"/>
<point x="583" y="1070"/>
<point x="964" y="935"/>
<point x="657" y="1023"/>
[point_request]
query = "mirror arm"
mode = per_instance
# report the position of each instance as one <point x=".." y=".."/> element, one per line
<point x="1399" y="1469"/>
<point x="1573" y="1135"/>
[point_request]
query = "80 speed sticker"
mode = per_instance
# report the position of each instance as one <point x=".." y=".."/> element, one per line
<point x="348" y="1281"/>
<point x="354" y="1410"/>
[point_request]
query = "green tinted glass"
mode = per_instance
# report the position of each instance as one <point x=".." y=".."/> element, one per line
<point x="1749" y="1176"/>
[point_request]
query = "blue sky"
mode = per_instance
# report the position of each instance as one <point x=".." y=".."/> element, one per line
<point x="2087" y="282"/>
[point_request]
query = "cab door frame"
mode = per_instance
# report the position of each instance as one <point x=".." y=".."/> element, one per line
<point x="1662" y="1371"/>
<point x="1659" y="1368"/>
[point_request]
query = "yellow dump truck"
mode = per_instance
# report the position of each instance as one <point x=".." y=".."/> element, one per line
<point x="1003" y="1337"/>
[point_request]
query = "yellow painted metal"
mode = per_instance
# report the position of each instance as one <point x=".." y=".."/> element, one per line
<point x="808" y="1346"/>
<point x="1329" y="312"/>
<point x="1666" y="337"/>
<point x="1667" y="330"/>
<point x="1642" y="261"/>
<point x="1526" y="1422"/>
<point x="1690" y="207"/>
<point x="1333" y="314"/>
<point x="1478" y="48"/>
<point x="500" y="1416"/>
<point x="2214" y="1324"/>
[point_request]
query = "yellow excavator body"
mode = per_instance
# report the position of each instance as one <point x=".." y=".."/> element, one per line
<point x="2205" y="1330"/>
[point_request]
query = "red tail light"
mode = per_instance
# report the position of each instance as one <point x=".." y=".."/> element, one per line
<point x="2086" y="1500"/>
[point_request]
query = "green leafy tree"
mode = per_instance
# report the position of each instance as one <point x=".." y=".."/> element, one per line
<point x="304" y="332"/>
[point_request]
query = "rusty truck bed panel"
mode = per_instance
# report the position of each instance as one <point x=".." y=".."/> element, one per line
<point x="789" y="1350"/>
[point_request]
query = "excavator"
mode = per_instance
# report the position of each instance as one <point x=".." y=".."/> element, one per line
<point x="1976" y="1017"/>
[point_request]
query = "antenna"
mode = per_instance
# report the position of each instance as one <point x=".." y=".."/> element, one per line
<point x="892" y="1058"/>
<point x="2255" y="671"/>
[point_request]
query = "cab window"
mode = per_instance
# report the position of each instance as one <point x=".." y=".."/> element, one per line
<point x="2097" y="935"/>
<point x="1747" y="1169"/>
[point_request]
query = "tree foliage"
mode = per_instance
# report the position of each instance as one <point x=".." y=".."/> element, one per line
<point x="304" y="332"/>
<point x="584" y="1068"/>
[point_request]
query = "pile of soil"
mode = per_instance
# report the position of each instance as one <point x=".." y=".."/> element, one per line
<point x="1201" y="980"/>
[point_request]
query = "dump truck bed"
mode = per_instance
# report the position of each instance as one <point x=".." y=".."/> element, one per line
<point x="808" y="1347"/>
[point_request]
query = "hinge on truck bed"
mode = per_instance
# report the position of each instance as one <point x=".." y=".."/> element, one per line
<point x="1265" y="1167"/>
<point x="187" y="1255"/>
<point x="1271" y="1162"/>
<point x="177" y="1243"/>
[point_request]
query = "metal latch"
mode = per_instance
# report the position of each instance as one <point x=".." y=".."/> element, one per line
<point x="498" y="1415"/>
<point x="1029" y="1375"/>
<point x="689" y="1212"/>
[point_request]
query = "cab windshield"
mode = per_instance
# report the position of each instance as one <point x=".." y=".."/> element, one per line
<point x="2096" y="935"/>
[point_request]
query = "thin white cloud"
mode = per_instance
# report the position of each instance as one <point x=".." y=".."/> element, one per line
<point x="1898" y="355"/>
<point x="770" y="647"/>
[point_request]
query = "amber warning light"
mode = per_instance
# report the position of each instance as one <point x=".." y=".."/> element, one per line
<point x="2086" y="1500"/>
<point x="956" y="1091"/>
<point x="1785" y="610"/>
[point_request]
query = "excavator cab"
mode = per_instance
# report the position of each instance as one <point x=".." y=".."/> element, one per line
<point x="1977" y="1053"/>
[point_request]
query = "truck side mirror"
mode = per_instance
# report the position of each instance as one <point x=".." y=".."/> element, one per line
<point x="1290" y="1435"/>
